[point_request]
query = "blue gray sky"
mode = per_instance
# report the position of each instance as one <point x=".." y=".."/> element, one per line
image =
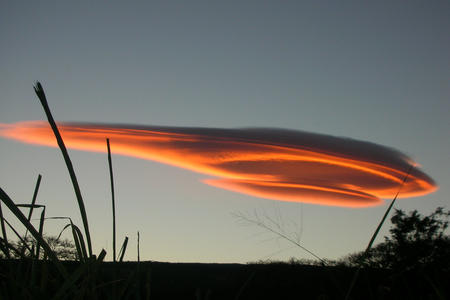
<point x="377" y="71"/>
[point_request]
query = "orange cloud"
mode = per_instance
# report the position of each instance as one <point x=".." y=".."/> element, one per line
<point x="269" y="163"/>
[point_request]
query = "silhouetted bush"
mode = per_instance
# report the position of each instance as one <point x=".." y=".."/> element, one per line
<point x="63" y="248"/>
<point x="414" y="241"/>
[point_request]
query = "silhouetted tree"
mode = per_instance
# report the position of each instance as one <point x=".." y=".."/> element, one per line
<point x="415" y="241"/>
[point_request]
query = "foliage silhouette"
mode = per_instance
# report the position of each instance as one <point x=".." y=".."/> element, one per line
<point x="415" y="241"/>
<point x="63" y="248"/>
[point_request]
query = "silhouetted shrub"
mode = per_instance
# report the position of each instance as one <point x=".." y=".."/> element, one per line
<point x="414" y="241"/>
<point x="63" y="248"/>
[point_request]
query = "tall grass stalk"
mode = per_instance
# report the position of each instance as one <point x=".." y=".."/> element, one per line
<point x="41" y="95"/>
<point x="112" y="198"/>
<point x="374" y="236"/>
<point x="138" y="252"/>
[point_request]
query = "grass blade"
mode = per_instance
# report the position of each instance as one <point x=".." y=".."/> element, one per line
<point x="138" y="252"/>
<point x="22" y="240"/>
<point x="77" y="238"/>
<point x="372" y="240"/>
<point x="123" y="249"/>
<point x="41" y="232"/>
<point x="374" y="236"/>
<point x="113" y="199"/>
<point x="5" y="237"/>
<point x="33" y="201"/>
<point x="62" y="230"/>
<point x="101" y="256"/>
<point x="31" y="207"/>
<point x="19" y="215"/>
<point x="41" y="95"/>
<point x="79" y="243"/>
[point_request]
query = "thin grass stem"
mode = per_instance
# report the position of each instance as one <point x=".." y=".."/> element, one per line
<point x="41" y="232"/>
<point x="33" y="200"/>
<point x="278" y="232"/>
<point x="374" y="236"/>
<point x="112" y="198"/>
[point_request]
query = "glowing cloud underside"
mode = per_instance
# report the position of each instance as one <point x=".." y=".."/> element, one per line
<point x="269" y="163"/>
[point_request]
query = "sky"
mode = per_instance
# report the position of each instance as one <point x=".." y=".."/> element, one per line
<point x="377" y="72"/>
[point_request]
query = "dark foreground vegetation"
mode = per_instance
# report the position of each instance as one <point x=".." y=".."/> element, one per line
<point x="412" y="263"/>
<point x="154" y="280"/>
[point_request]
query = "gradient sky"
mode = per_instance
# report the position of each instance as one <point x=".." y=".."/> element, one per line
<point x="376" y="72"/>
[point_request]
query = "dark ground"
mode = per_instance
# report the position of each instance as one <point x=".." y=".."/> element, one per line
<point x="245" y="281"/>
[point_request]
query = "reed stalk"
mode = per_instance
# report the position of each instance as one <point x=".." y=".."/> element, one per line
<point x="41" y="95"/>
<point x="112" y="198"/>
<point x="138" y="252"/>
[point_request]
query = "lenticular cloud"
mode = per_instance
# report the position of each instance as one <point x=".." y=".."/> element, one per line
<point x="276" y="164"/>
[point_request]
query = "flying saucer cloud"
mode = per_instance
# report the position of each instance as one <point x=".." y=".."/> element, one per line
<point x="276" y="164"/>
